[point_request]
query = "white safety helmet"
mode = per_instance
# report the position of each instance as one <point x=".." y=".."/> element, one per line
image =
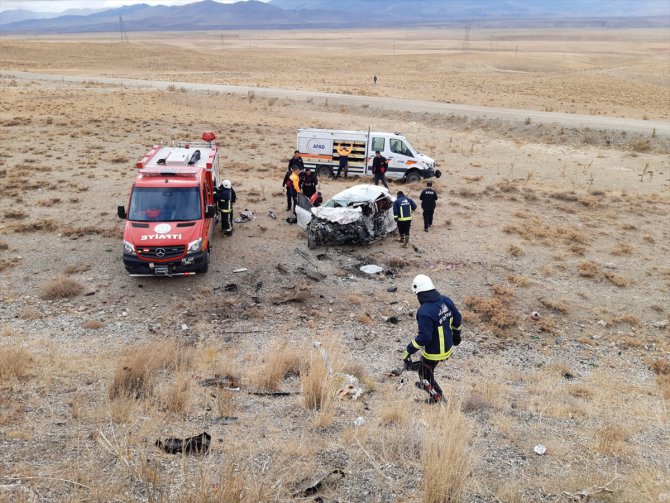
<point x="226" y="184"/>
<point x="422" y="283"/>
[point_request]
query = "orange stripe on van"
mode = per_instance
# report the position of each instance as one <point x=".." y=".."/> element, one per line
<point x="409" y="163"/>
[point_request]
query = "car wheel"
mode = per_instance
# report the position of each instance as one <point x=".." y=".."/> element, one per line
<point x="205" y="264"/>
<point x="413" y="177"/>
<point x="324" y="171"/>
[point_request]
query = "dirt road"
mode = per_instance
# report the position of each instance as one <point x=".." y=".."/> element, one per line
<point x="567" y="120"/>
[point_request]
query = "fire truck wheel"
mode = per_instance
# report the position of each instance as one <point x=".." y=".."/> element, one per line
<point x="205" y="264"/>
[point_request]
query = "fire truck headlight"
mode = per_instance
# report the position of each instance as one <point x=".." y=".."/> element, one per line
<point x="128" y="248"/>
<point x="194" y="246"/>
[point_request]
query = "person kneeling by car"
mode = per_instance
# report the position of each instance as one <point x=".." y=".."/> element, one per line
<point x="439" y="324"/>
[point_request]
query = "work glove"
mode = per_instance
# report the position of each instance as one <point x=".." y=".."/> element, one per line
<point x="407" y="361"/>
<point x="457" y="337"/>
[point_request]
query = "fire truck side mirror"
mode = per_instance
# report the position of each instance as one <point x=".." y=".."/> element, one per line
<point x="121" y="212"/>
<point x="210" y="212"/>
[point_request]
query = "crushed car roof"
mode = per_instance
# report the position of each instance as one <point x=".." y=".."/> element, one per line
<point x="362" y="193"/>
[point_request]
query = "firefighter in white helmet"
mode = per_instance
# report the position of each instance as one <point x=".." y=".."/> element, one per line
<point x="439" y="330"/>
<point x="225" y="198"/>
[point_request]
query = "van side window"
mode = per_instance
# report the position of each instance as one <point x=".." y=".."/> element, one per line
<point x="399" y="147"/>
<point x="377" y="144"/>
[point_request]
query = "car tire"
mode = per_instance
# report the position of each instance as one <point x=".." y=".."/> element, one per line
<point x="204" y="267"/>
<point x="412" y="177"/>
<point x="324" y="171"/>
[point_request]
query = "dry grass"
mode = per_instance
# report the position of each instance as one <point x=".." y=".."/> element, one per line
<point x="317" y="387"/>
<point x="560" y="306"/>
<point x="616" y="279"/>
<point x="77" y="268"/>
<point x="60" y="288"/>
<point x="495" y="310"/>
<point x="622" y="249"/>
<point x="515" y="250"/>
<point x="281" y="362"/>
<point x="446" y="458"/>
<point x="136" y="375"/>
<point x="588" y="269"/>
<point x="611" y="438"/>
<point x="15" y="363"/>
<point x="364" y="318"/>
<point x="518" y="280"/>
<point x="93" y="324"/>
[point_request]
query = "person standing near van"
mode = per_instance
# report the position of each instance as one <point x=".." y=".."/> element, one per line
<point x="343" y="151"/>
<point x="428" y="199"/>
<point x="379" y="167"/>
<point x="402" y="212"/>
<point x="225" y="198"/>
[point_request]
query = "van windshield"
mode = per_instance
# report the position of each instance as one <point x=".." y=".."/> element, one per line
<point x="165" y="205"/>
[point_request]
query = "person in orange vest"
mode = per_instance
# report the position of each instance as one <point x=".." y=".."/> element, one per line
<point x="294" y="186"/>
<point x="343" y="151"/>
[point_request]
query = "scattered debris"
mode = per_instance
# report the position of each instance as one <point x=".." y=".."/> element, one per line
<point x="661" y="324"/>
<point x="393" y="319"/>
<point x="602" y="323"/>
<point x="313" y="486"/>
<point x="292" y="297"/>
<point x="272" y="214"/>
<point x="245" y="216"/>
<point x="540" y="449"/>
<point x="184" y="326"/>
<point x="395" y="372"/>
<point x="585" y="494"/>
<point x="220" y="381"/>
<point x="154" y="328"/>
<point x="313" y="275"/>
<point x="198" y="444"/>
<point x="352" y="388"/>
<point x="359" y="421"/>
<point x="417" y="249"/>
<point x="535" y="315"/>
<point x="273" y="393"/>
<point x="324" y="355"/>
<point x="230" y="287"/>
<point x="241" y="269"/>
<point x="225" y="420"/>
<point x="282" y="269"/>
<point x="322" y="256"/>
<point x="371" y="269"/>
<point x="392" y="289"/>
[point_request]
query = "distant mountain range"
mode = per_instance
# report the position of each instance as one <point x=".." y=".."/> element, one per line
<point x="295" y="14"/>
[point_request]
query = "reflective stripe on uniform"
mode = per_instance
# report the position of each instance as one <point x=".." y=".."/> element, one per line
<point x="223" y="209"/>
<point x="402" y="217"/>
<point x="416" y="344"/>
<point x="441" y="356"/>
<point x="440" y="333"/>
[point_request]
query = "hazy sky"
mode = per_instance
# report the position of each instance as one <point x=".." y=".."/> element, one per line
<point x="61" y="5"/>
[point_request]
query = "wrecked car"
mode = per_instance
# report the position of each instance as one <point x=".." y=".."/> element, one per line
<point x="358" y="215"/>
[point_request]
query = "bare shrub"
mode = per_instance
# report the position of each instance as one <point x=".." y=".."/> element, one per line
<point x="518" y="280"/>
<point x="281" y="362"/>
<point x="355" y="298"/>
<point x="616" y="279"/>
<point x="136" y="376"/>
<point x="3" y="245"/>
<point x="15" y="214"/>
<point x="611" y="438"/>
<point x="394" y="413"/>
<point x="493" y="310"/>
<point x="364" y="318"/>
<point x="14" y="363"/>
<point x="622" y="249"/>
<point x="560" y="306"/>
<point x="317" y="390"/>
<point x="475" y="403"/>
<point x="445" y="457"/>
<point x="92" y="324"/>
<point x="587" y="269"/>
<point x="515" y="250"/>
<point x="77" y="268"/>
<point x="60" y="288"/>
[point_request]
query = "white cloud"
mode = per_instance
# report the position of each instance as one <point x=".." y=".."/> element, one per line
<point x="62" y="5"/>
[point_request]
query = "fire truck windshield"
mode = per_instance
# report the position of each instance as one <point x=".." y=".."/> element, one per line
<point x="165" y="205"/>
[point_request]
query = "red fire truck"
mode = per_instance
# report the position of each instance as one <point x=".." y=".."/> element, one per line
<point x="171" y="211"/>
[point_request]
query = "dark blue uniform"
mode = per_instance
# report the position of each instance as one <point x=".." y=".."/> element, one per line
<point x="439" y="331"/>
<point x="225" y="198"/>
<point x="428" y="202"/>
<point x="402" y="212"/>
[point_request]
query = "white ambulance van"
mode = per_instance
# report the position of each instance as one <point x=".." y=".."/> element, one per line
<point x="319" y="151"/>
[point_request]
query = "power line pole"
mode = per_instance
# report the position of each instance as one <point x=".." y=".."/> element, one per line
<point x="124" y="33"/>
<point x="466" y="40"/>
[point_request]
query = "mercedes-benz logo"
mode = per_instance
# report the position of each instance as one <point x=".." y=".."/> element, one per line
<point x="160" y="252"/>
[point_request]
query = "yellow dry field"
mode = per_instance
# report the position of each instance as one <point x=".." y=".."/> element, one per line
<point x="95" y="366"/>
